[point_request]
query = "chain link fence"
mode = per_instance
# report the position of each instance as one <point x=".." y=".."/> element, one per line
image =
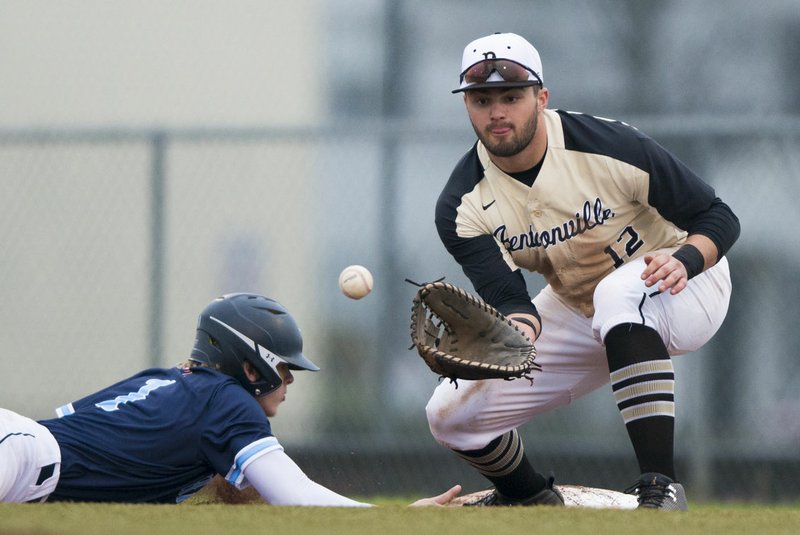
<point x="112" y="241"/>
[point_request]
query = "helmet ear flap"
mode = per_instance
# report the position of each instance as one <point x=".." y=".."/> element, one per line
<point x="260" y="385"/>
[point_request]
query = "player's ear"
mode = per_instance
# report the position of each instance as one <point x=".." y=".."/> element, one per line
<point x="250" y="372"/>
<point x="543" y="96"/>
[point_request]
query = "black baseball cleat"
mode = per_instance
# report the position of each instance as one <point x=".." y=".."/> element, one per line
<point x="657" y="491"/>
<point x="547" y="496"/>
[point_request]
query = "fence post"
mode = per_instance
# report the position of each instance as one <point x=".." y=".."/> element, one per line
<point x="157" y="247"/>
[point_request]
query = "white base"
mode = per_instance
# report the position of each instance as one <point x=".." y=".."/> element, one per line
<point x="574" y="496"/>
<point x="579" y="496"/>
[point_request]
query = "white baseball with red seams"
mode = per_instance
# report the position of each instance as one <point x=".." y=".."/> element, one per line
<point x="355" y="281"/>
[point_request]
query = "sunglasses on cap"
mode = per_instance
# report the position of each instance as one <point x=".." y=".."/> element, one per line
<point x="510" y="71"/>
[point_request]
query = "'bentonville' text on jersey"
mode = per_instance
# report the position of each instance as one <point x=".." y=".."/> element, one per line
<point x="604" y="194"/>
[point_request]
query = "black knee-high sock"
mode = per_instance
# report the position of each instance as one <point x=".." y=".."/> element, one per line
<point x="643" y="382"/>
<point x="504" y="463"/>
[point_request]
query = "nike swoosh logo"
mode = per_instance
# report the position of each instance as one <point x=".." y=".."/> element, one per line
<point x="486" y="206"/>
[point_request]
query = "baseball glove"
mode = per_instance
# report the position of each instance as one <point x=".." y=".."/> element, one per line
<point x="462" y="337"/>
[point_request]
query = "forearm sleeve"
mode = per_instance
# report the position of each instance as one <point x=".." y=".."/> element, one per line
<point x="279" y="480"/>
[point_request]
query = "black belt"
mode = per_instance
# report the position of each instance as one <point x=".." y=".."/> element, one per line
<point x="45" y="473"/>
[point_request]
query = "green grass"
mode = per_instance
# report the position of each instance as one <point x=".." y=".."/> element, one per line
<point x="387" y="519"/>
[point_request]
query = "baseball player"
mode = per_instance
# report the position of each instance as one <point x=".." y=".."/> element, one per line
<point x="631" y="244"/>
<point x="162" y="434"/>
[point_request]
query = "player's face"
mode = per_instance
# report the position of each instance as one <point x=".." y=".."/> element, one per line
<point x="505" y="120"/>
<point x="270" y="402"/>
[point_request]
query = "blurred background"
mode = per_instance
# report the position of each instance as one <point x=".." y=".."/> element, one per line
<point x="154" y="155"/>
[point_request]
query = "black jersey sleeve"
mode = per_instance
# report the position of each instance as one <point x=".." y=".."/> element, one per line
<point x="675" y="191"/>
<point x="681" y="197"/>
<point x="480" y="257"/>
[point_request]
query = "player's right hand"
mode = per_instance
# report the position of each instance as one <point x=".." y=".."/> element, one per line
<point x="666" y="271"/>
<point x="440" y="500"/>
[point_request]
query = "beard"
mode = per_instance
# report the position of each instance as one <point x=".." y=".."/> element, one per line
<point x="515" y="144"/>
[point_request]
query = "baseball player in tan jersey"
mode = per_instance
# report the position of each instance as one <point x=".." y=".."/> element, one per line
<point x="631" y="244"/>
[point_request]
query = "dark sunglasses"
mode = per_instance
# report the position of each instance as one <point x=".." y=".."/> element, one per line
<point x="510" y="71"/>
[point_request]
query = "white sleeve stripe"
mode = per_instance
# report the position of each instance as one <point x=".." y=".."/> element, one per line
<point x="248" y="454"/>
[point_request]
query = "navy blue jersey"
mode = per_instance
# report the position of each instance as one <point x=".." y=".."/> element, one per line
<point x="158" y="436"/>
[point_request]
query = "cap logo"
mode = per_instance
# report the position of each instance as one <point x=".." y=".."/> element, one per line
<point x="489" y="55"/>
<point x="268" y="357"/>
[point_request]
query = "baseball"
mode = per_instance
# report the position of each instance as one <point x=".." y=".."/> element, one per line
<point x="355" y="281"/>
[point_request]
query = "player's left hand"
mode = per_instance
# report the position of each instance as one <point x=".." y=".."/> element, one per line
<point x="664" y="267"/>
<point x="440" y="500"/>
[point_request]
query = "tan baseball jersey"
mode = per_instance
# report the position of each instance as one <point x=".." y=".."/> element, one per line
<point x="604" y="194"/>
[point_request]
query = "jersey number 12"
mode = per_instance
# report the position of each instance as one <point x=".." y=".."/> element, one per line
<point x="631" y="246"/>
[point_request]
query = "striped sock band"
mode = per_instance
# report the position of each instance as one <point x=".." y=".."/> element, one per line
<point x="645" y="389"/>
<point x="504" y="455"/>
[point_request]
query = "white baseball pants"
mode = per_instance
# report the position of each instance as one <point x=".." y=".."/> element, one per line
<point x="571" y="352"/>
<point x="29" y="459"/>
